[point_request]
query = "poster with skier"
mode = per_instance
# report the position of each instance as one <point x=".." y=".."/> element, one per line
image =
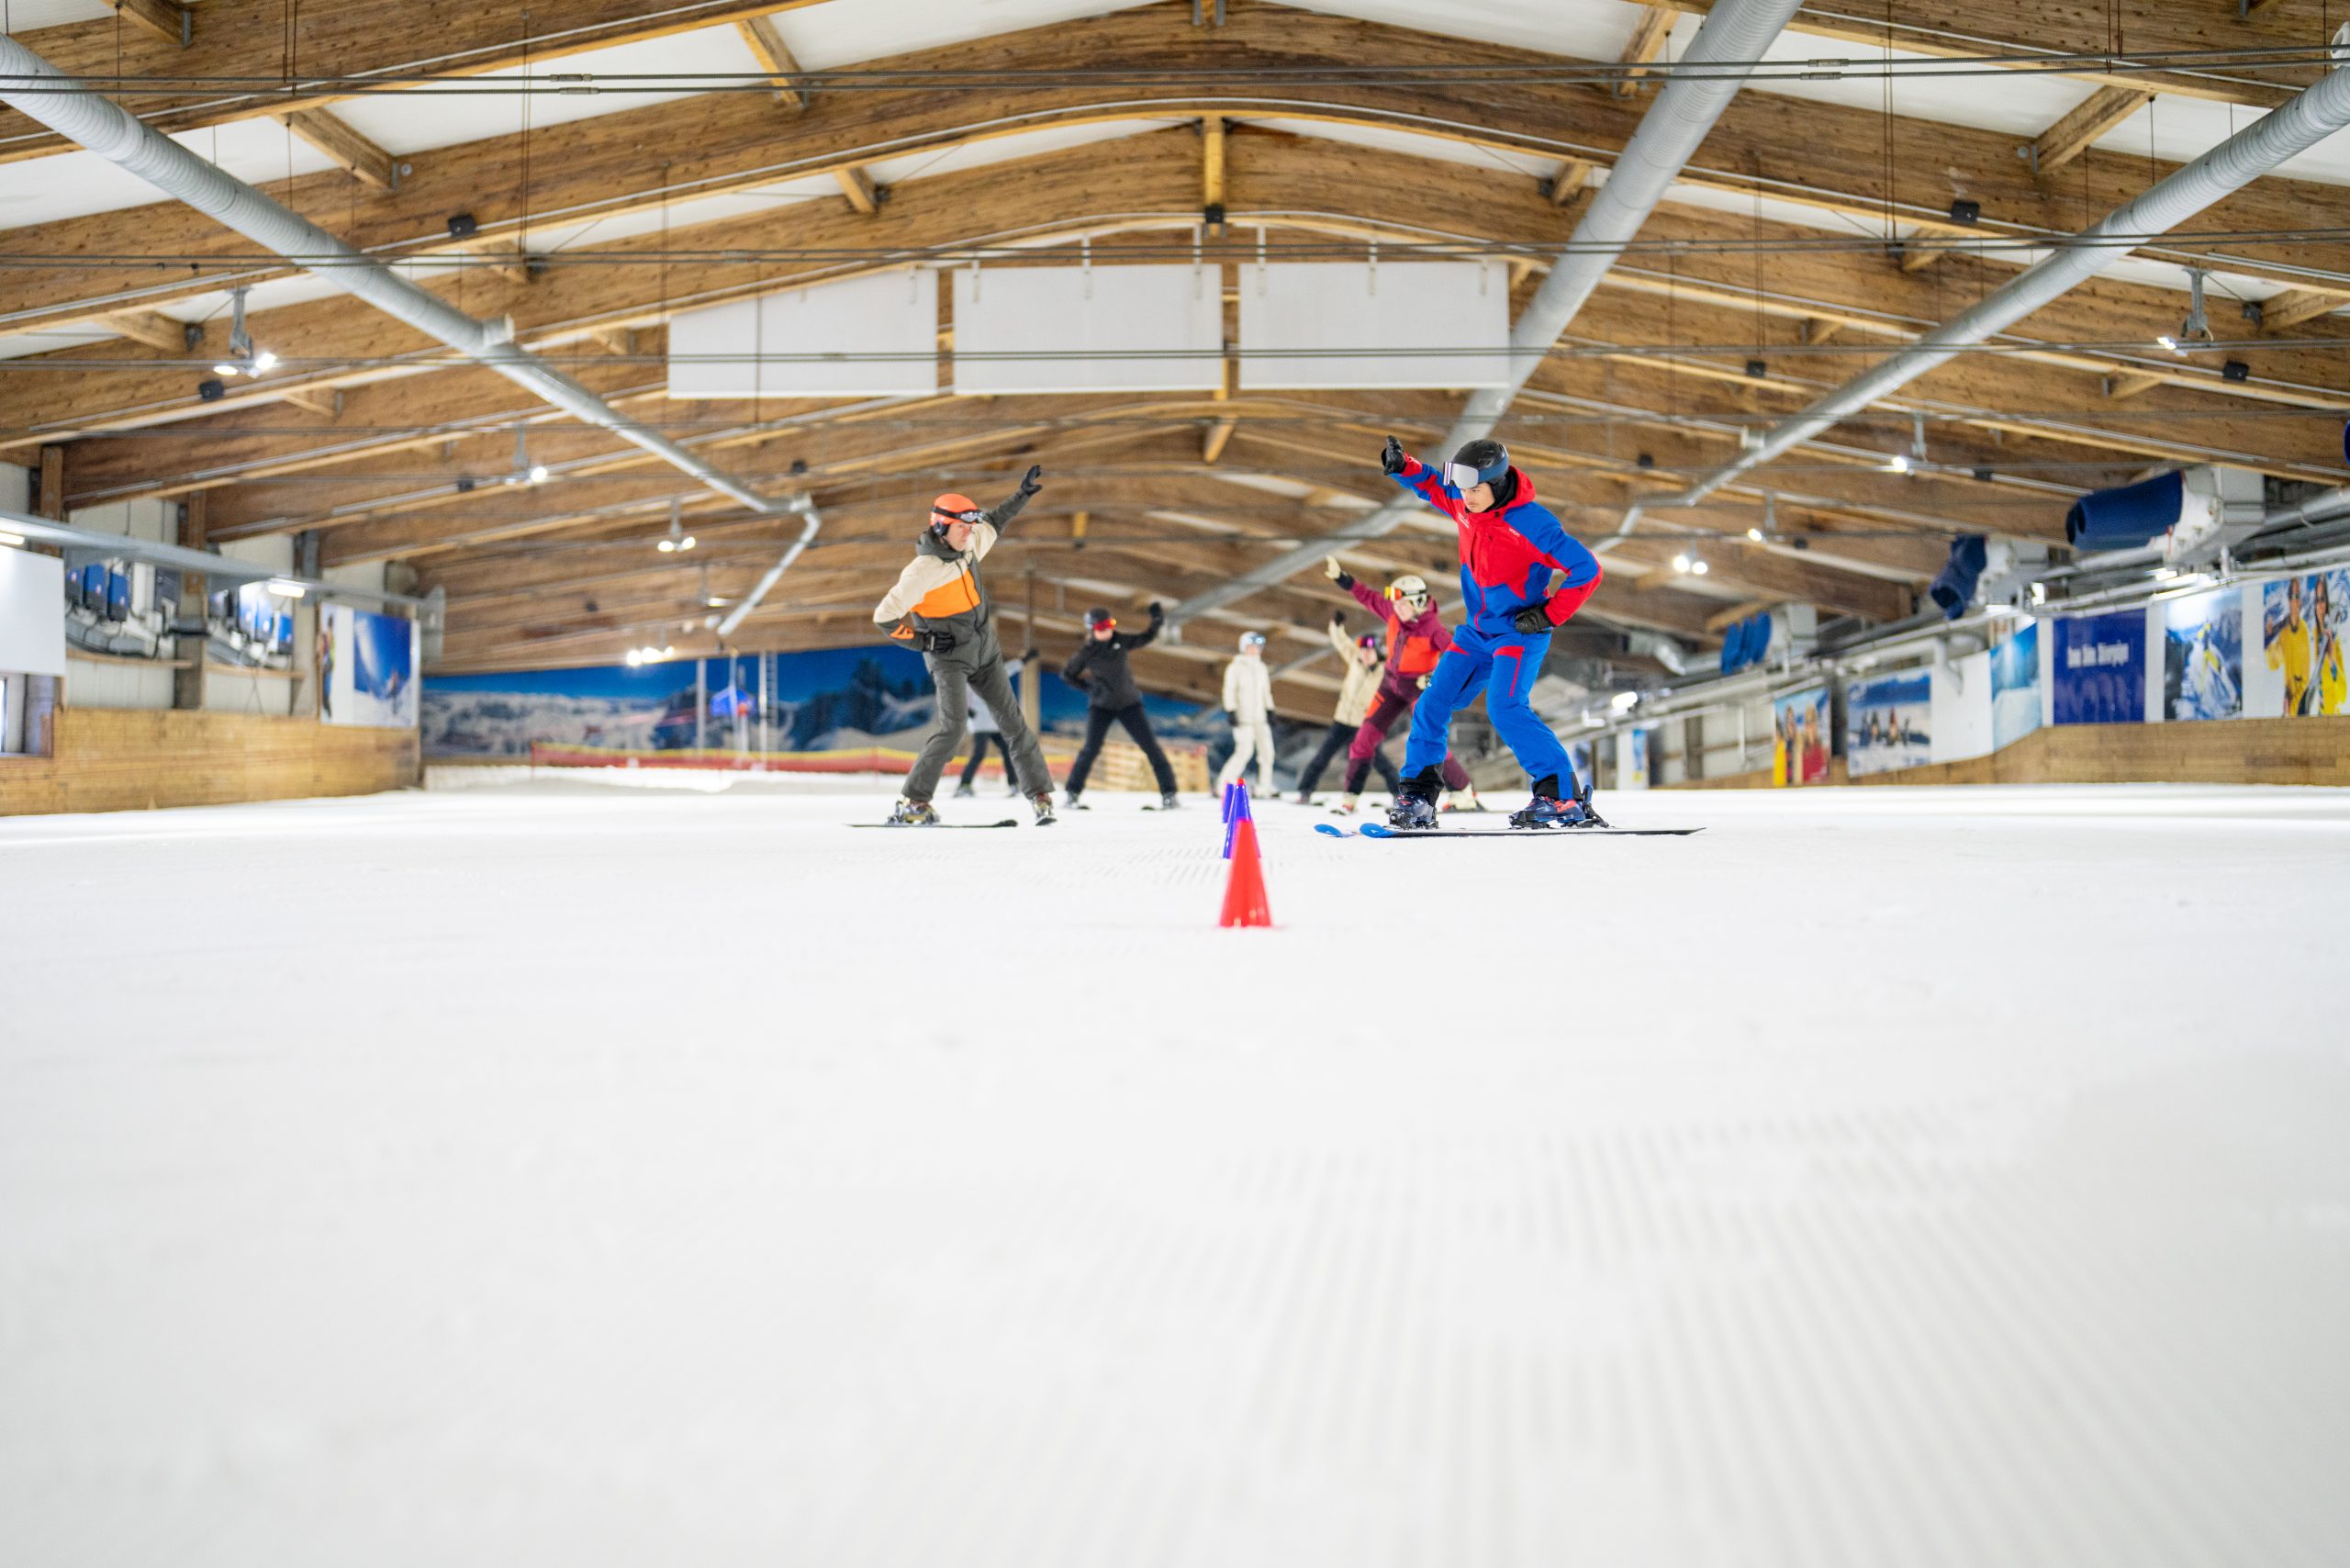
<point x="2203" y="655"/>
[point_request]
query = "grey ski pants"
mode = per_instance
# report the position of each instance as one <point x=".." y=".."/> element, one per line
<point x="954" y="675"/>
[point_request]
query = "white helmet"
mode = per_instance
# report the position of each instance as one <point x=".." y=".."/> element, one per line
<point x="1411" y="590"/>
<point x="1251" y="640"/>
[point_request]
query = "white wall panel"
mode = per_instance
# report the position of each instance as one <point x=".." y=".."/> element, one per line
<point x="1339" y="324"/>
<point x="1962" y="709"/>
<point x="32" y="613"/>
<point x="1149" y="329"/>
<point x="863" y="337"/>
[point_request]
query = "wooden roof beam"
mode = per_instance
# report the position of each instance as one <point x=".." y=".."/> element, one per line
<point x="858" y="187"/>
<point x="775" y="57"/>
<point x="2072" y="136"/>
<point x="348" y="150"/>
<point x="166" y="20"/>
<point x="1649" y="35"/>
<point x="2296" y="305"/>
<point x="157" y="330"/>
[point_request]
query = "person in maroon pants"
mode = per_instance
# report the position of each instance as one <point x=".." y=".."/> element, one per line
<point x="1417" y="638"/>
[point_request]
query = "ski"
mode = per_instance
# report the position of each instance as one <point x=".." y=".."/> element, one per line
<point x="1378" y="830"/>
<point x="1007" y="821"/>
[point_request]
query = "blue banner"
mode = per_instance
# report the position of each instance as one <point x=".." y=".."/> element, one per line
<point x="2100" y="669"/>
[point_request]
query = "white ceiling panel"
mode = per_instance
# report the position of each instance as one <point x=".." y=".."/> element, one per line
<point x="656" y="70"/>
<point x="1585" y="29"/>
<point x="1004" y="149"/>
<point x="73" y="185"/>
<point x="26" y="15"/>
<point x="2181" y="130"/>
<point x="23" y="344"/>
<point x="1446" y="149"/>
<point x="850" y="32"/>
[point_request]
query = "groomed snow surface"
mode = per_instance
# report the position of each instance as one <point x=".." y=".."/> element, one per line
<point x="562" y="1175"/>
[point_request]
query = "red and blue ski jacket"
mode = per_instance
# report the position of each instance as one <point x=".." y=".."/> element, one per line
<point x="1508" y="555"/>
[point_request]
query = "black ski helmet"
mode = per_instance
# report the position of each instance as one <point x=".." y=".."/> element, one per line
<point x="1487" y="459"/>
<point x="1097" y="616"/>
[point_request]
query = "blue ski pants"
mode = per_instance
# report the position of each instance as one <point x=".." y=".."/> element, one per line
<point x="1504" y="666"/>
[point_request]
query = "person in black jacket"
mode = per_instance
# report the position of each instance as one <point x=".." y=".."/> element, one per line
<point x="1099" y="669"/>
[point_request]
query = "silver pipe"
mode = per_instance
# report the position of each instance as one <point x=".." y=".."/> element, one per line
<point x="1734" y="34"/>
<point x="36" y="88"/>
<point x="178" y="558"/>
<point x="774" y="574"/>
<point x="2317" y="113"/>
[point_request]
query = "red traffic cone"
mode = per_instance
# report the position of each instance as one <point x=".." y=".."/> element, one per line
<point x="1244" y="888"/>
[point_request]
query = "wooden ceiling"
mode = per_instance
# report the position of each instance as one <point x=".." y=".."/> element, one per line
<point x="388" y="449"/>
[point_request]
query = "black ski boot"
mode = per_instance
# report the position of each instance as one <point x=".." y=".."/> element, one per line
<point x="1546" y="810"/>
<point x="1415" y="807"/>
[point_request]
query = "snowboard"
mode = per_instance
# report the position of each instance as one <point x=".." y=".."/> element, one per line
<point x="1008" y="821"/>
<point x="1380" y="830"/>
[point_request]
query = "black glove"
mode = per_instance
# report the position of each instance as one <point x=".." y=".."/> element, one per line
<point x="1028" y="653"/>
<point x="1532" y="618"/>
<point x="935" y="642"/>
<point x="1158" y="612"/>
<point x="1028" y="485"/>
<point x="1391" y="457"/>
<point x="1338" y="619"/>
<point x="1231" y="718"/>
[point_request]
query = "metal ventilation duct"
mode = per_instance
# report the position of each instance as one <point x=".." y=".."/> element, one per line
<point x="2316" y="114"/>
<point x="38" y="90"/>
<point x="1735" y="33"/>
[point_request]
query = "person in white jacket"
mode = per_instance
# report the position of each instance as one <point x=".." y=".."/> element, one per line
<point x="1364" y="665"/>
<point x="1249" y="703"/>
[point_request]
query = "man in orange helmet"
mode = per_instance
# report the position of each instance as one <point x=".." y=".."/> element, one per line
<point x="938" y="606"/>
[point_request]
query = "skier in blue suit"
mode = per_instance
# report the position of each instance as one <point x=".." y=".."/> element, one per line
<point x="1511" y="546"/>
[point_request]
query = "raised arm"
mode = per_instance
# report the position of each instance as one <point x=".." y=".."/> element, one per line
<point x="1338" y="638"/>
<point x="1148" y="635"/>
<point x="1004" y="511"/>
<point x="1421" y="480"/>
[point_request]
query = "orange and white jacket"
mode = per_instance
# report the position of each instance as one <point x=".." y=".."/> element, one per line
<point x="941" y="582"/>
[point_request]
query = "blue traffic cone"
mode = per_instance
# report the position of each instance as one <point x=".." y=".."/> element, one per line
<point x="1234" y="815"/>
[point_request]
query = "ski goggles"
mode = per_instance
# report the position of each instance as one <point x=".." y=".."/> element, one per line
<point x="948" y="519"/>
<point x="1465" y="477"/>
<point x="1253" y="640"/>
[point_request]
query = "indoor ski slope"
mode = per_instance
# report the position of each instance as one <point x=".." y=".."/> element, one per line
<point x="561" y="1175"/>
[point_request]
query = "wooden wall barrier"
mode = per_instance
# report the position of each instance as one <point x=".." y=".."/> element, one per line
<point x="115" y="759"/>
<point x="2218" y="751"/>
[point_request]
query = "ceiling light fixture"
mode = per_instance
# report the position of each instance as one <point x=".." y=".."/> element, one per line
<point x="242" y="359"/>
<point x="1897" y="464"/>
<point x="1680" y="563"/>
<point x="676" y="539"/>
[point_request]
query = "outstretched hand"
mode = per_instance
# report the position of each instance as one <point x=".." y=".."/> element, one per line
<point x="1028" y="484"/>
<point x="1157" y="612"/>
<point x="1392" y="458"/>
<point x="1335" y="573"/>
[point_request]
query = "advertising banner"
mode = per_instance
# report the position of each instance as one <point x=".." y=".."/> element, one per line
<point x="2015" y="687"/>
<point x="367" y="668"/>
<point x="2203" y="655"/>
<point x="2301" y="639"/>
<point x="1888" y="722"/>
<point x="2100" y="669"/>
<point x="1800" y="732"/>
